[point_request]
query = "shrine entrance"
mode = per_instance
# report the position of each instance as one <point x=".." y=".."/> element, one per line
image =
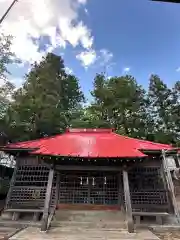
<point x="90" y="188"/>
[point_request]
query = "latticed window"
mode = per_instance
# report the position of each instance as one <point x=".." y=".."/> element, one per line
<point x="90" y="188"/>
<point x="29" y="189"/>
<point x="32" y="176"/>
<point x="147" y="189"/>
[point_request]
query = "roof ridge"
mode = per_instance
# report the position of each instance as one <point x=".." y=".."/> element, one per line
<point x="89" y="130"/>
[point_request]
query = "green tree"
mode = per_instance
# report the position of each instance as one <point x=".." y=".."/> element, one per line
<point x="175" y="112"/>
<point x="7" y="88"/>
<point x="6" y="91"/>
<point x="101" y="101"/>
<point x="44" y="105"/>
<point x="128" y="107"/>
<point x="6" y="56"/>
<point x="161" y="106"/>
<point x="88" y="118"/>
<point x="120" y="102"/>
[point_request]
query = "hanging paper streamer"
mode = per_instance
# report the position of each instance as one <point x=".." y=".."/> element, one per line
<point x="93" y="181"/>
<point x="105" y="180"/>
<point x="81" y="181"/>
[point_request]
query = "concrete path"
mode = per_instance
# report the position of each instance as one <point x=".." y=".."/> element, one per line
<point x="32" y="233"/>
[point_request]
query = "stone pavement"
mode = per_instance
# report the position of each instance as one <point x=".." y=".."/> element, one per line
<point x="33" y="233"/>
<point x="6" y="232"/>
<point x="173" y="235"/>
<point x="170" y="232"/>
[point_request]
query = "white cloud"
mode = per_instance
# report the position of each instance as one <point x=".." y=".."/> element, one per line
<point x="58" y="19"/>
<point x="82" y="1"/>
<point x="87" y="58"/>
<point x="86" y="11"/>
<point x="105" y="56"/>
<point x="105" y="59"/>
<point x="102" y="58"/>
<point x="76" y="34"/>
<point x="68" y="70"/>
<point x="178" y="69"/>
<point x="126" y="69"/>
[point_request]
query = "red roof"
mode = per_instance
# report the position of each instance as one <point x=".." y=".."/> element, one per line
<point x="89" y="143"/>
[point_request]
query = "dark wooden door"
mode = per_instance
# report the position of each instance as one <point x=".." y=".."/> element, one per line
<point x="89" y="188"/>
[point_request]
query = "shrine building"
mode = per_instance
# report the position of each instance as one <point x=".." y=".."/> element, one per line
<point x="91" y="169"/>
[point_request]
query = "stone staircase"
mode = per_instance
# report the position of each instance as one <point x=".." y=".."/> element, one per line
<point x="85" y="225"/>
<point x="89" y="219"/>
<point x="94" y="225"/>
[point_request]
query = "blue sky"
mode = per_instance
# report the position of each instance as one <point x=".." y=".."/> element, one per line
<point x="142" y="35"/>
<point x="139" y="36"/>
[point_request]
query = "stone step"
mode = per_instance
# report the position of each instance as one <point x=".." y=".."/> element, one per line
<point x="18" y="224"/>
<point x="58" y="234"/>
<point x="88" y="230"/>
<point x="95" y="219"/>
<point x="66" y="215"/>
<point x="94" y="213"/>
<point x="89" y="225"/>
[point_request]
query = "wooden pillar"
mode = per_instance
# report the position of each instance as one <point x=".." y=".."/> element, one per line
<point x="57" y="186"/>
<point x="128" y="207"/>
<point x="47" y="200"/>
<point x="120" y="191"/>
<point x="170" y="185"/>
<point x="89" y="189"/>
<point x="176" y="159"/>
<point x="166" y="188"/>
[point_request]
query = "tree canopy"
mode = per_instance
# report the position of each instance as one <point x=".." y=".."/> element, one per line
<point x="51" y="100"/>
<point x="45" y="103"/>
<point x="6" y="87"/>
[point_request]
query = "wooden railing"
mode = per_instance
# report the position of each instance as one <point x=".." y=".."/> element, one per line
<point x="46" y="213"/>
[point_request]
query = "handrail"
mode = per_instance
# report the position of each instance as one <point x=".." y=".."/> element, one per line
<point x="47" y="201"/>
<point x="50" y="217"/>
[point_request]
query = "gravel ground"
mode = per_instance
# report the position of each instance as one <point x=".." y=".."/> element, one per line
<point x="167" y="235"/>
